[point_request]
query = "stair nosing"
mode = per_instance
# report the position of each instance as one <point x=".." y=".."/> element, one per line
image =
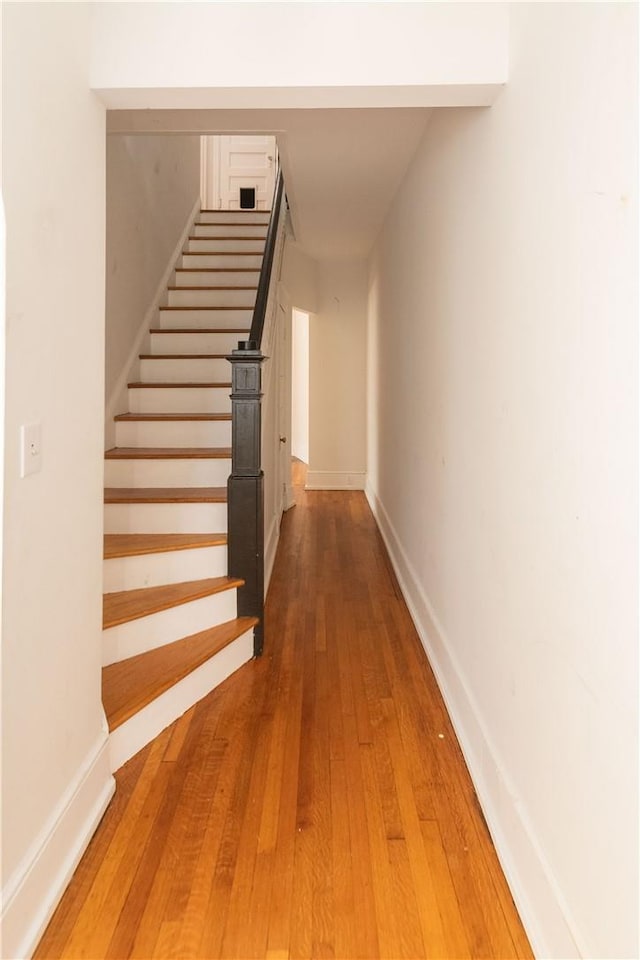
<point x="243" y="213"/>
<point x="193" y="236"/>
<point x="218" y="269"/>
<point x="124" y="495"/>
<point x="160" y="603"/>
<point x="142" y="384"/>
<point x="200" y="307"/>
<point x="222" y="253"/>
<point x="158" y="543"/>
<point x="198" y="330"/>
<point x="169" y="417"/>
<point x="173" y="288"/>
<point x="182" y="356"/>
<point x="168" y="453"/>
<point x="147" y="693"/>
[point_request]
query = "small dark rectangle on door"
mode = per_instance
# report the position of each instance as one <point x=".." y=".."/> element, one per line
<point x="247" y="198"/>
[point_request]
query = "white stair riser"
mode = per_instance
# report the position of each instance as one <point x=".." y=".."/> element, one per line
<point x="220" y="245"/>
<point x="210" y="261"/>
<point x="167" y="473"/>
<point x="233" y="216"/>
<point x="214" y="278"/>
<point x="156" y="569"/>
<point x="165" y="517"/>
<point x="147" y="633"/>
<point x="173" y="433"/>
<point x="212" y="298"/>
<point x="184" y="371"/>
<point x="232" y="230"/>
<point x="205" y="319"/>
<point x="132" y="736"/>
<point x="178" y="400"/>
<point x="222" y="342"/>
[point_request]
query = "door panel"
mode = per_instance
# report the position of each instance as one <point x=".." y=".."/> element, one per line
<point x="247" y="162"/>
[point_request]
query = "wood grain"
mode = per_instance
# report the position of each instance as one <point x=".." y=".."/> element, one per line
<point x="154" y="417"/>
<point x="165" y="495"/>
<point x="168" y="453"/>
<point x="316" y="804"/>
<point x="126" y="605"/>
<point x="182" y="356"/>
<point x="139" y="544"/>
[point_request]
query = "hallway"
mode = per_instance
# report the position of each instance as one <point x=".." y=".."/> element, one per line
<point x="314" y="805"/>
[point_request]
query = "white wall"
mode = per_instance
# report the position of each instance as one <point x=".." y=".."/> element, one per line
<point x="300" y="385"/>
<point x="408" y="53"/>
<point x="300" y="276"/>
<point x="337" y="378"/>
<point x="503" y="456"/>
<point x="55" y="773"/>
<point x="153" y="187"/>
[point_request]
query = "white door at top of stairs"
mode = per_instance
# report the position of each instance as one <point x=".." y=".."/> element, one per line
<point x="232" y="162"/>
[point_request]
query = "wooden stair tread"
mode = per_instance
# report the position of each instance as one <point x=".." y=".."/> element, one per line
<point x="153" y="417"/>
<point x="182" y="356"/>
<point x="226" y="236"/>
<point x="139" y="544"/>
<point x="223" y="253"/>
<point x="212" y="288"/>
<point x="146" y="385"/>
<point x="131" y="684"/>
<point x="218" y="269"/>
<point x="199" y="329"/>
<point x="127" y="605"/>
<point x="240" y="213"/>
<point x="199" y="306"/>
<point x="165" y="495"/>
<point x="168" y="453"/>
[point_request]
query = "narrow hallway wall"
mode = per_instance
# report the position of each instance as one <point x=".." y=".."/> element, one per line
<point x="502" y="437"/>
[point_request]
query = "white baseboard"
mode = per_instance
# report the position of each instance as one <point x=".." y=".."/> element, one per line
<point x="33" y="891"/>
<point x="117" y="400"/>
<point x="541" y="905"/>
<point x="327" y="480"/>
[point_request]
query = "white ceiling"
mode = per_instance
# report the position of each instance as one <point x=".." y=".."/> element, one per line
<point x="342" y="166"/>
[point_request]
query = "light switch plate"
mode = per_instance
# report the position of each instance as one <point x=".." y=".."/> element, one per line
<point x="30" y="448"/>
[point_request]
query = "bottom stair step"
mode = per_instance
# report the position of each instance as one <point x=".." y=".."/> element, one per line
<point x="144" y="694"/>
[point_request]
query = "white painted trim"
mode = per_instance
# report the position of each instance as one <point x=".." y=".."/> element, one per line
<point x="270" y="549"/>
<point x="541" y="904"/>
<point x="145" y="725"/>
<point x="326" y="480"/>
<point x="34" y="889"/>
<point x="117" y="401"/>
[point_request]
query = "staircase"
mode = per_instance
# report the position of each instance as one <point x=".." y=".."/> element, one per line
<point x="171" y="630"/>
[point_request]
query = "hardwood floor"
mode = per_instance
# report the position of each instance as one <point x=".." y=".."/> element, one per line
<point x="314" y="805"/>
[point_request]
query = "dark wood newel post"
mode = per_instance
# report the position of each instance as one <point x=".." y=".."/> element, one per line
<point x="245" y="487"/>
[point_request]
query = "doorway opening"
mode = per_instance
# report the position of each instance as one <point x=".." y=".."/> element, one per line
<point x="299" y="396"/>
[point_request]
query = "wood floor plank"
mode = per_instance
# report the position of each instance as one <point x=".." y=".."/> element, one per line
<point x="316" y="804"/>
